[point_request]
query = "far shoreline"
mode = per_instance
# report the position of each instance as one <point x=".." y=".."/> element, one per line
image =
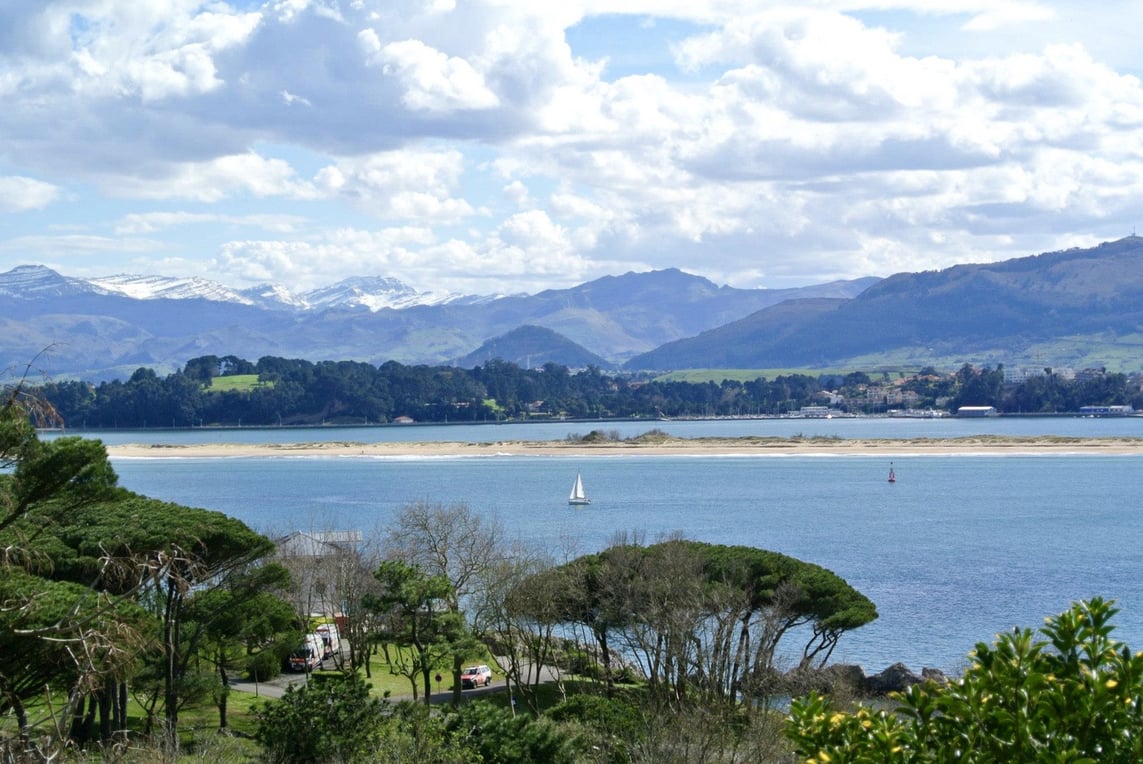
<point x="662" y="446"/>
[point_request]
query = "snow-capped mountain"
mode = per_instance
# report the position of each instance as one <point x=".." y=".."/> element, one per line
<point x="168" y="288"/>
<point x="373" y="293"/>
<point x="273" y="297"/>
<point x="41" y="283"/>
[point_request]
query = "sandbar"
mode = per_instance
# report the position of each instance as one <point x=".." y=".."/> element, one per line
<point x="743" y="446"/>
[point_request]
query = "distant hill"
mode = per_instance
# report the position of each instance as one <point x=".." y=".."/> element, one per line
<point x="530" y="347"/>
<point x="106" y="328"/>
<point x="1080" y="307"/>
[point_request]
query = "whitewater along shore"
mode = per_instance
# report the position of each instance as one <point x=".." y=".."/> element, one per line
<point x="647" y="446"/>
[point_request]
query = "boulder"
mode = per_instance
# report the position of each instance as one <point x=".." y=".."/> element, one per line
<point x="934" y="675"/>
<point x="896" y="678"/>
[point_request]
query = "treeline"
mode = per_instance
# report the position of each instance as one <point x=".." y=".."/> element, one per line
<point x="299" y="392"/>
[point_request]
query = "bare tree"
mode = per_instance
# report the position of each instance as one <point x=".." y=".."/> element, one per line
<point x="520" y="621"/>
<point x="451" y="541"/>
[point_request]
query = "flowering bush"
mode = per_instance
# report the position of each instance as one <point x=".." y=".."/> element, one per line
<point x="1076" y="696"/>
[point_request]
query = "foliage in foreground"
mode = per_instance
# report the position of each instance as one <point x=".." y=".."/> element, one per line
<point x="1076" y="696"/>
<point x="333" y="720"/>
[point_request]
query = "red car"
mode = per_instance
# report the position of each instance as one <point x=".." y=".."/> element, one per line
<point x="475" y="676"/>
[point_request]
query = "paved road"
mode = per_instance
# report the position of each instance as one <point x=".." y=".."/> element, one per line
<point x="274" y="688"/>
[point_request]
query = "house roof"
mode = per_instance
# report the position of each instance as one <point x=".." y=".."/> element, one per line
<point x="316" y="543"/>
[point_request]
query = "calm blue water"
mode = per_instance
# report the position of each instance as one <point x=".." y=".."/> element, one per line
<point x="959" y="549"/>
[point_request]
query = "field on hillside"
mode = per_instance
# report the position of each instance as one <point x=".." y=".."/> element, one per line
<point x="239" y="382"/>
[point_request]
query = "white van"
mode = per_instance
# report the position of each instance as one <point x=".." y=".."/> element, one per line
<point x="330" y="638"/>
<point x="309" y="654"/>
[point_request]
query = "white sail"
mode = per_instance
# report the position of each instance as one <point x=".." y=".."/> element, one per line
<point x="577" y="495"/>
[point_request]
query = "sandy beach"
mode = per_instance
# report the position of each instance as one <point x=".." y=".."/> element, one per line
<point x="640" y="447"/>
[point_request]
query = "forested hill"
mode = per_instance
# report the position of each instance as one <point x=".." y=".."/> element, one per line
<point x="1077" y="308"/>
<point x="213" y="391"/>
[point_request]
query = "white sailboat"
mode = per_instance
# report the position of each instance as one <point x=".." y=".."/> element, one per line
<point x="577" y="496"/>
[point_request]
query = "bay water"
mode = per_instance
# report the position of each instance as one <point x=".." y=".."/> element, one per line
<point x="960" y="548"/>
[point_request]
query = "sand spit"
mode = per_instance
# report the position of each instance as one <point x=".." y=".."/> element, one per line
<point x="658" y="446"/>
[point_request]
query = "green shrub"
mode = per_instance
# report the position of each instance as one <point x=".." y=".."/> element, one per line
<point x="595" y="436"/>
<point x="333" y="720"/>
<point x="1076" y="696"/>
<point x="500" y="737"/>
<point x="610" y="725"/>
<point x="263" y="665"/>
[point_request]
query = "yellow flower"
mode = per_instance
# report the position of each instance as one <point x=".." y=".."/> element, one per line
<point x="836" y="719"/>
<point x="866" y="723"/>
<point x="1111" y="684"/>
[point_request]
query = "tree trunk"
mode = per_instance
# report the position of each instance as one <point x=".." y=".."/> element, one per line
<point x="609" y="681"/>
<point x="224" y="693"/>
<point x="105" y="697"/>
<point x="426" y="674"/>
<point x="171" y="648"/>
<point x="456" y="688"/>
<point x="21" y="722"/>
<point x="82" y="722"/>
<point x="120" y="710"/>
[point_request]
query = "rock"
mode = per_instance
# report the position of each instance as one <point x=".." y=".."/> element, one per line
<point x="896" y="678"/>
<point x="934" y="675"/>
<point x="847" y="674"/>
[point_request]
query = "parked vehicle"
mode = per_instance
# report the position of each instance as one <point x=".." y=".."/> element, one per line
<point x="330" y="638"/>
<point x="309" y="654"/>
<point x="475" y="676"/>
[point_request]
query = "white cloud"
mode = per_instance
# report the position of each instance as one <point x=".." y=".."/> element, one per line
<point x="762" y="142"/>
<point x="153" y="222"/>
<point x="408" y="185"/>
<point x="289" y="99"/>
<point x="325" y="258"/>
<point x="152" y="50"/>
<point x="217" y="179"/>
<point x="433" y="81"/>
<point x="1008" y="14"/>
<point x="19" y="194"/>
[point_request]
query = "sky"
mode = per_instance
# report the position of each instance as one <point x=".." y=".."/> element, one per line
<point x="504" y="146"/>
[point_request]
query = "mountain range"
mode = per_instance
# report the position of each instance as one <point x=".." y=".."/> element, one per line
<point x="1080" y="307"/>
<point x="107" y="327"/>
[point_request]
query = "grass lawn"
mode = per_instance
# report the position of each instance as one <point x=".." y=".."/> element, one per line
<point x="398" y="686"/>
<point x="239" y="382"/>
<point x="199" y="736"/>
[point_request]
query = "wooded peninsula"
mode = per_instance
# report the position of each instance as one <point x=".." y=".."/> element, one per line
<point x="230" y="391"/>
